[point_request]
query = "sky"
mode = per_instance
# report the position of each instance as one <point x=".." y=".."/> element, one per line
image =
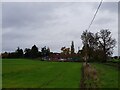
<point x="54" y="24"/>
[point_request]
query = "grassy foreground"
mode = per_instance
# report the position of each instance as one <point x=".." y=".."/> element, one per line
<point x="40" y="74"/>
<point x="108" y="75"/>
<point x="24" y="73"/>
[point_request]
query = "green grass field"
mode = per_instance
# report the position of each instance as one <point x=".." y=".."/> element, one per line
<point x="40" y="74"/>
<point x="108" y="75"/>
<point x="24" y="73"/>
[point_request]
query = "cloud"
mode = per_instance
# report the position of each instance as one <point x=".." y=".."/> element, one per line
<point x="58" y="0"/>
<point x="104" y="20"/>
<point x="25" y="14"/>
<point x="110" y="6"/>
<point x="52" y="24"/>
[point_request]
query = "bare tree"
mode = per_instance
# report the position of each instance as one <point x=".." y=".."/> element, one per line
<point x="98" y="46"/>
<point x="107" y="43"/>
<point x="87" y="39"/>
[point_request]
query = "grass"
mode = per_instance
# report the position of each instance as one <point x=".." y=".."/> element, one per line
<point x="115" y="60"/>
<point x="24" y="73"/>
<point x="108" y="75"/>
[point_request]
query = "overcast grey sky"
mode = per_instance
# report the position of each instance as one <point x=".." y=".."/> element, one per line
<point x="54" y="24"/>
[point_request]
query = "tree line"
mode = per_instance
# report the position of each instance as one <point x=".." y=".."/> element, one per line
<point x="96" y="47"/>
<point x="27" y="53"/>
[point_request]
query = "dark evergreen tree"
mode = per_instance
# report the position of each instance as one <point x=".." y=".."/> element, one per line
<point x="27" y="53"/>
<point x="34" y="51"/>
<point x="48" y="51"/>
<point x="19" y="53"/>
<point x="45" y="52"/>
<point x="72" y="48"/>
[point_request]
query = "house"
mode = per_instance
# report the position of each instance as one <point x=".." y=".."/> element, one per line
<point x="63" y="57"/>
